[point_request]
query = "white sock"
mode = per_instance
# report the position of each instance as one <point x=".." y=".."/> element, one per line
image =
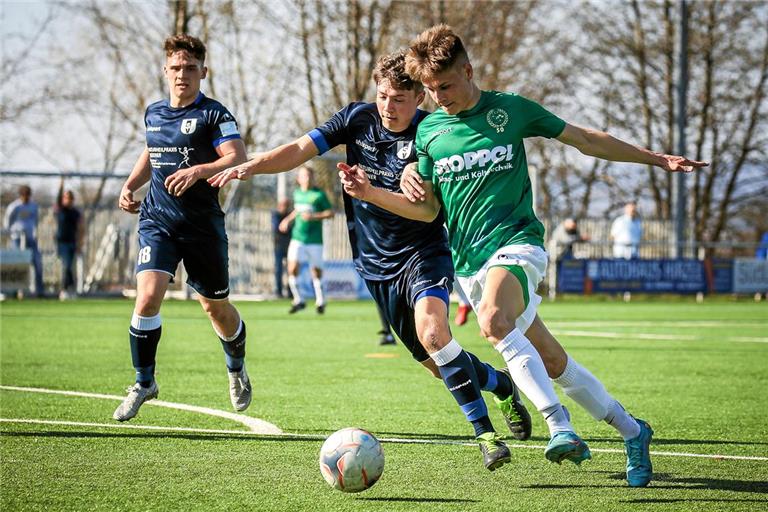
<point x="317" y="284"/>
<point x="587" y="391"/>
<point x="145" y="323"/>
<point x="530" y="375"/>
<point x="234" y="336"/>
<point x="294" y="289"/>
<point x="622" y="421"/>
<point x="447" y="354"/>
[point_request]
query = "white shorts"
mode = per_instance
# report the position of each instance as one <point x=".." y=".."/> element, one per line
<point x="310" y="253"/>
<point x="531" y="258"/>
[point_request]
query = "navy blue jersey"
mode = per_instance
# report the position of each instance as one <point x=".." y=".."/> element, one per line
<point x="178" y="138"/>
<point x="382" y="242"/>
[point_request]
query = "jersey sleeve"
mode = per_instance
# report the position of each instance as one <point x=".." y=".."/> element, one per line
<point x="334" y="131"/>
<point x="426" y="164"/>
<point x="223" y="125"/>
<point x="540" y="122"/>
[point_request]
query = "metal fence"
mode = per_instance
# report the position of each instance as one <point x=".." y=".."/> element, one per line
<point x="110" y="248"/>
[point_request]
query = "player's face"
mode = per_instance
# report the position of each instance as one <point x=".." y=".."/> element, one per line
<point x="452" y="89"/>
<point x="183" y="73"/>
<point x="396" y="106"/>
<point x="304" y="179"/>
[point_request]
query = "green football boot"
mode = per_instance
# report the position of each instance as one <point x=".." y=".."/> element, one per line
<point x="495" y="452"/>
<point x="515" y="414"/>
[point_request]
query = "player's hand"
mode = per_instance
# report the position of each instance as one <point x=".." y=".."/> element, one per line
<point x="284" y="226"/>
<point x="238" y="172"/>
<point x="410" y="184"/>
<point x="178" y="182"/>
<point x="354" y="180"/>
<point x="126" y="202"/>
<point x="306" y="215"/>
<point x="674" y="163"/>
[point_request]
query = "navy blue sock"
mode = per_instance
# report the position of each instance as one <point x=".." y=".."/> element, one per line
<point x="234" y="351"/>
<point x="490" y="379"/>
<point x="461" y="380"/>
<point x="143" y="352"/>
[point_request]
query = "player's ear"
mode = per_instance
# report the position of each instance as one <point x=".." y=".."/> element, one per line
<point x="205" y="72"/>
<point x="420" y="97"/>
<point x="468" y="70"/>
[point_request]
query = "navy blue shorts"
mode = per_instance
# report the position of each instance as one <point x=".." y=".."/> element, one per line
<point x="396" y="297"/>
<point x="206" y="260"/>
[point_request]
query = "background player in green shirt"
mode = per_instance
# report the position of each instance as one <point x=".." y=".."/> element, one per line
<point x="310" y="207"/>
<point x="472" y="161"/>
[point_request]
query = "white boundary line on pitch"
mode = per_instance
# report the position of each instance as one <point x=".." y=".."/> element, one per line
<point x="254" y="424"/>
<point x="729" y="324"/>
<point x="650" y="337"/>
<point x="319" y="437"/>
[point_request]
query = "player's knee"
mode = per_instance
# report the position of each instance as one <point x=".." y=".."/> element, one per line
<point x="147" y="305"/>
<point x="216" y="310"/>
<point x="494" y="322"/>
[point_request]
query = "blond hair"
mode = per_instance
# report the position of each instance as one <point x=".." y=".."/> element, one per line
<point x="433" y="51"/>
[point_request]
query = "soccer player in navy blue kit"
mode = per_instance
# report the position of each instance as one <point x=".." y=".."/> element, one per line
<point x="189" y="138"/>
<point x="406" y="264"/>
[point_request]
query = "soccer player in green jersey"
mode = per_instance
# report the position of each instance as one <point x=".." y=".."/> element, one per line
<point x="472" y="164"/>
<point x="310" y="207"/>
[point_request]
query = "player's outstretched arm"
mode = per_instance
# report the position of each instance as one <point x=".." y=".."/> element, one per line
<point x="602" y="145"/>
<point x="139" y="176"/>
<point x="281" y="159"/>
<point x="356" y="184"/>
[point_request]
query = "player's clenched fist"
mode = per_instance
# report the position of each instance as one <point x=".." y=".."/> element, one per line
<point x="126" y="202"/>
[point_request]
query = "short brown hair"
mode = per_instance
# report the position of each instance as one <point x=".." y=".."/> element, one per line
<point x="392" y="68"/>
<point x="187" y="43"/>
<point x="433" y="51"/>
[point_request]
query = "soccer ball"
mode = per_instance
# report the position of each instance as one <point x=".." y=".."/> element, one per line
<point x="351" y="460"/>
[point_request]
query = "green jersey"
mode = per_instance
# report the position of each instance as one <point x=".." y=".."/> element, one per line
<point x="476" y="163"/>
<point x="313" y="200"/>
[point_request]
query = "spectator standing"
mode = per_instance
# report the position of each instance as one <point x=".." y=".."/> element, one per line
<point x="626" y="232"/>
<point x="281" y="240"/>
<point x="69" y="238"/>
<point x="563" y="238"/>
<point x="21" y="221"/>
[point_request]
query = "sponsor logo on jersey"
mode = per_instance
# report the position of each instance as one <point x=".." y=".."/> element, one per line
<point x="472" y="159"/>
<point x="404" y="148"/>
<point x="366" y="146"/>
<point x="188" y="125"/>
<point x="497" y="118"/>
<point x="185" y="153"/>
<point x="153" y="128"/>
<point x="228" y="128"/>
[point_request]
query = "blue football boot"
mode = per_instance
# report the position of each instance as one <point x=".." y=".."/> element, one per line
<point x="639" y="467"/>
<point x="567" y="446"/>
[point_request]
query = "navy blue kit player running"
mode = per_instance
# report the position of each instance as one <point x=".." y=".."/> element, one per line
<point x="189" y="138"/>
<point x="406" y="264"/>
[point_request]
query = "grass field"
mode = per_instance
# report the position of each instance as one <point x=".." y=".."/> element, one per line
<point x="697" y="372"/>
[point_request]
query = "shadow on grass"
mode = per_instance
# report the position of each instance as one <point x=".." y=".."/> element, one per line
<point x="421" y="500"/>
<point x="669" y="481"/>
